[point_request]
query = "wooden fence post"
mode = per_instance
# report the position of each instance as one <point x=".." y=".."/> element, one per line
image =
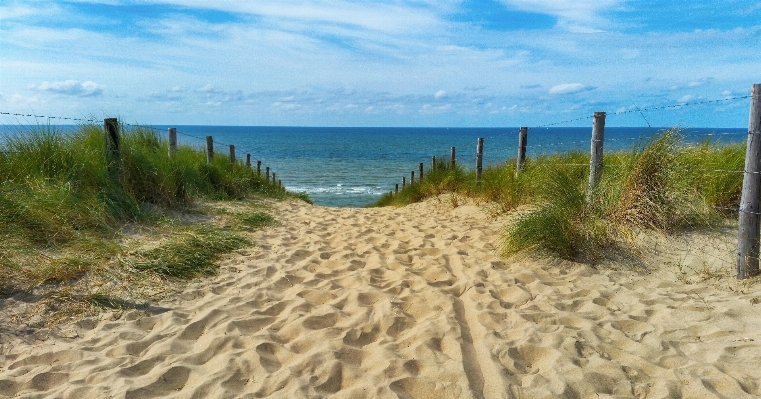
<point x="396" y="188"/>
<point x="404" y="182"/>
<point x="452" y="158"/>
<point x="113" y="146"/>
<point x="412" y="177"/>
<point x="280" y="184"/>
<point x="749" y="227"/>
<point x="267" y="172"/>
<point x="433" y="163"/>
<point x="522" y="139"/>
<point x="274" y="178"/>
<point x="209" y="149"/>
<point x="595" y="161"/>
<point x="172" y="142"/>
<point x="232" y="154"/>
<point x="420" y="169"/>
<point x="479" y="159"/>
<point x="248" y="160"/>
<point x="259" y="168"/>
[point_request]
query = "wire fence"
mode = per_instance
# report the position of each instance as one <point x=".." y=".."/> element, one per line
<point x="721" y="250"/>
<point x="154" y="129"/>
<point x="714" y="250"/>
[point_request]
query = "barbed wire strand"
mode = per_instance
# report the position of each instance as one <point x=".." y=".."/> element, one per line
<point x="153" y="128"/>
<point x="513" y="131"/>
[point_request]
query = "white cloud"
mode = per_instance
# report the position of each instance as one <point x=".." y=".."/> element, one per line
<point x="430" y="109"/>
<point x="209" y="88"/>
<point x="700" y="82"/>
<point x="440" y="94"/>
<point x="568" y="88"/>
<point x="367" y="15"/>
<point x="580" y="16"/>
<point x="72" y="88"/>
<point x="16" y="12"/>
<point x="686" y="98"/>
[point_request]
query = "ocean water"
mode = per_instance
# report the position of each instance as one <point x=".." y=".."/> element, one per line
<point x="353" y="167"/>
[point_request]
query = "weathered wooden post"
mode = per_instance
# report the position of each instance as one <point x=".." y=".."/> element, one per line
<point x="420" y="169"/>
<point x="267" y="172"/>
<point x="258" y="168"/>
<point x="274" y="179"/>
<point x="479" y="159"/>
<point x="595" y="161"/>
<point x="172" y="132"/>
<point x="113" y="146"/>
<point x="412" y="177"/>
<point x="749" y="227"/>
<point x="280" y="184"/>
<point x="248" y="160"/>
<point x="433" y="163"/>
<point x="452" y="158"/>
<point x="404" y="182"/>
<point x="232" y="154"/>
<point x="396" y="188"/>
<point x="522" y="138"/>
<point x="209" y="149"/>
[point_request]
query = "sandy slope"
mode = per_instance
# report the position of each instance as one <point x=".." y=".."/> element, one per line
<point x="409" y="303"/>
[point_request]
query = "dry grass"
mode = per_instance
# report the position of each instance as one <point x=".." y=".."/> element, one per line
<point x="128" y="270"/>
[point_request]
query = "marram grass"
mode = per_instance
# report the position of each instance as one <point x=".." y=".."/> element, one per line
<point x="187" y="254"/>
<point x="62" y="213"/>
<point x="661" y="184"/>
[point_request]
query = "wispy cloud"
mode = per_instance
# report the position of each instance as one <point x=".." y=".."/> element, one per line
<point x="71" y="88"/>
<point x="568" y="88"/>
<point x="378" y="62"/>
<point x="685" y="99"/>
<point x="582" y="16"/>
<point x="378" y="16"/>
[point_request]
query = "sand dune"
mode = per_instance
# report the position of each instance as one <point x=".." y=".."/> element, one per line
<point x="407" y="303"/>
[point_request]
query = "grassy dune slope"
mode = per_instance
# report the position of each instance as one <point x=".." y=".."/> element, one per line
<point x="76" y="235"/>
<point x="660" y="185"/>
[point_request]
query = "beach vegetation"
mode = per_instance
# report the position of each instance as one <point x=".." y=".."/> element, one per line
<point x="660" y="184"/>
<point x="73" y="231"/>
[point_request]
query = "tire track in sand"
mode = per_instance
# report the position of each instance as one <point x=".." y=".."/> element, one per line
<point x="484" y="375"/>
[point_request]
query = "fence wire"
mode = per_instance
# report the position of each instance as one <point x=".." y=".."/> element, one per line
<point x="156" y="130"/>
<point x="683" y="250"/>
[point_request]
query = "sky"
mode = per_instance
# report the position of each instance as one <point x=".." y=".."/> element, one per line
<point x="447" y="63"/>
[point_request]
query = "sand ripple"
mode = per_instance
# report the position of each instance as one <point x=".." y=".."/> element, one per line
<point x="408" y="303"/>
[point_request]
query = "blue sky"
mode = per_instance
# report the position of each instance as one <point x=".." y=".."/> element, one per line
<point x="381" y="63"/>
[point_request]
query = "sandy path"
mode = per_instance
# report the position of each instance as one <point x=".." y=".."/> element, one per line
<point x="408" y="303"/>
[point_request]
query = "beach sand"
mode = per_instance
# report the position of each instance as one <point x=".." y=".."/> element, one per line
<point x="410" y="303"/>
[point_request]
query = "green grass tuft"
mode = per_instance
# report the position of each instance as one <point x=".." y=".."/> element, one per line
<point x="256" y="220"/>
<point x="661" y="185"/>
<point x="565" y="224"/>
<point x="189" y="254"/>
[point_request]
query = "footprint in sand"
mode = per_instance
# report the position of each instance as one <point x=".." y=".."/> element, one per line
<point x="320" y="322"/>
<point x="170" y="381"/>
<point x="268" y="356"/>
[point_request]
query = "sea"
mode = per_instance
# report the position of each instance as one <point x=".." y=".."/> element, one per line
<point x="354" y="166"/>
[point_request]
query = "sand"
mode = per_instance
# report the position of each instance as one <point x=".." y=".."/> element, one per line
<point x="409" y="303"/>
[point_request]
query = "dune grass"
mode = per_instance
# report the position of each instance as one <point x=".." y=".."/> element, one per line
<point x="64" y="214"/>
<point x="660" y="185"/>
<point x="187" y="254"/>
